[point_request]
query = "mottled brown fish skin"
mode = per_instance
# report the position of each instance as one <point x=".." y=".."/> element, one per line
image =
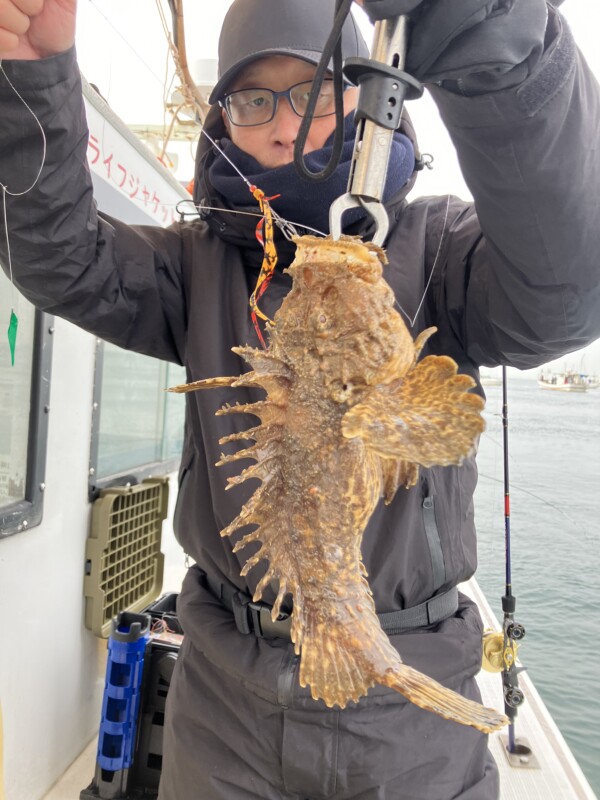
<point x="348" y="417"/>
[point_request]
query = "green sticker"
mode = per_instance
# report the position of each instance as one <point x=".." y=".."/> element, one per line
<point x="12" y="335"/>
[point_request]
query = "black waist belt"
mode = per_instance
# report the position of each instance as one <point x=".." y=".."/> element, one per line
<point x="251" y="617"/>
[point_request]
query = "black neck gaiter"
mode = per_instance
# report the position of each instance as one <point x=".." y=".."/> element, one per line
<point x="304" y="203"/>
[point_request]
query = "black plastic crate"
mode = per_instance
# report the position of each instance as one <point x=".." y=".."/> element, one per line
<point x="165" y="609"/>
<point x="147" y="763"/>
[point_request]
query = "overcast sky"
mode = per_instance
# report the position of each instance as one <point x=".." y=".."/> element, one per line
<point x="122" y="49"/>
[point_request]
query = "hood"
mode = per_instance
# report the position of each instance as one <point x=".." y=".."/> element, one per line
<point x="293" y="29"/>
<point x="239" y="229"/>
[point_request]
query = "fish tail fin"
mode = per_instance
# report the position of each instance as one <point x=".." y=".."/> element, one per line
<point x="432" y="696"/>
<point x="344" y="655"/>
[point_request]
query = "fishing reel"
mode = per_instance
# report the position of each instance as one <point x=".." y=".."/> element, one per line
<point x="493" y="659"/>
<point x="513" y="696"/>
<point x="500" y="652"/>
<point x="500" y="648"/>
<point x="515" y="631"/>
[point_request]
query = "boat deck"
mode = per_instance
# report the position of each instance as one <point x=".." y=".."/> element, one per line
<point x="559" y="776"/>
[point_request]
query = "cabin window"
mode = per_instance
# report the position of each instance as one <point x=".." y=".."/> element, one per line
<point x="24" y="398"/>
<point x="137" y="426"/>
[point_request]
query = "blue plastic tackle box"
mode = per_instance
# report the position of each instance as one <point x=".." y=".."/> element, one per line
<point x="142" y="651"/>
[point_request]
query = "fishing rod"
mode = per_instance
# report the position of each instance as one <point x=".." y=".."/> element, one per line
<point x="500" y="649"/>
<point x="513" y="631"/>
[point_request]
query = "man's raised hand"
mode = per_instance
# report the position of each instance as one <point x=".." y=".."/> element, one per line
<point x="34" y="29"/>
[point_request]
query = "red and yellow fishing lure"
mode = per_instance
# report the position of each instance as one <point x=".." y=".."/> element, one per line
<point x="264" y="234"/>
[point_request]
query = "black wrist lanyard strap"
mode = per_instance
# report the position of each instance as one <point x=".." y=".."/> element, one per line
<point x="333" y="48"/>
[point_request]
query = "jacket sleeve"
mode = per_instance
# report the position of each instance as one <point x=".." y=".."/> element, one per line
<point x="120" y="282"/>
<point x="524" y="285"/>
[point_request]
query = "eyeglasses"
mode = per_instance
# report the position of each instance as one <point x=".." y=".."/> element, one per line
<point x="248" y="107"/>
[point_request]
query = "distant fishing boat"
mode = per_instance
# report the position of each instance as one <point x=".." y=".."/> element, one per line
<point x="490" y="380"/>
<point x="564" y="381"/>
<point x="592" y="381"/>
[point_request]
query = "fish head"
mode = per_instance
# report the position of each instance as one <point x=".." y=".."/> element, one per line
<point x="340" y="320"/>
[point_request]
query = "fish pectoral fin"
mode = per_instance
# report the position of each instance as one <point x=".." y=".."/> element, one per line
<point x="428" y="417"/>
<point x="209" y="383"/>
<point x="432" y="696"/>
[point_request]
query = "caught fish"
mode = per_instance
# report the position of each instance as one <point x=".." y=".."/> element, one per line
<point x="349" y="415"/>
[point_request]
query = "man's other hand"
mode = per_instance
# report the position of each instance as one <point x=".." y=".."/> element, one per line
<point x="384" y="9"/>
<point x="475" y="45"/>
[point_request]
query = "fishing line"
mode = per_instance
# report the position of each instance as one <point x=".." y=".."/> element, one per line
<point x="133" y="50"/>
<point x="14" y="321"/>
<point x="526" y="491"/>
<point x="288" y="229"/>
<point x="437" y="255"/>
<point x="265" y="236"/>
<point x="226" y="157"/>
<point x="281" y="223"/>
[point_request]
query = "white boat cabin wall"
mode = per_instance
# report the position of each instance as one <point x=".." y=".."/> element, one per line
<point x="52" y="667"/>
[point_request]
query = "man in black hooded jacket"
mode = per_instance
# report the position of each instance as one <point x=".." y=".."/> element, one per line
<point x="512" y="278"/>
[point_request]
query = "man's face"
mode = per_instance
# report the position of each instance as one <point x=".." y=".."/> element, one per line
<point x="272" y="143"/>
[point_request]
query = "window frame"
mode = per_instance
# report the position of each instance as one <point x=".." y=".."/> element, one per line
<point x="27" y="513"/>
<point x="129" y="477"/>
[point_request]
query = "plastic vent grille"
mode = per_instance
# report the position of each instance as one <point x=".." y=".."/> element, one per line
<point x="124" y="563"/>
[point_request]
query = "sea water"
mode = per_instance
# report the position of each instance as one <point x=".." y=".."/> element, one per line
<point x="554" y="470"/>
